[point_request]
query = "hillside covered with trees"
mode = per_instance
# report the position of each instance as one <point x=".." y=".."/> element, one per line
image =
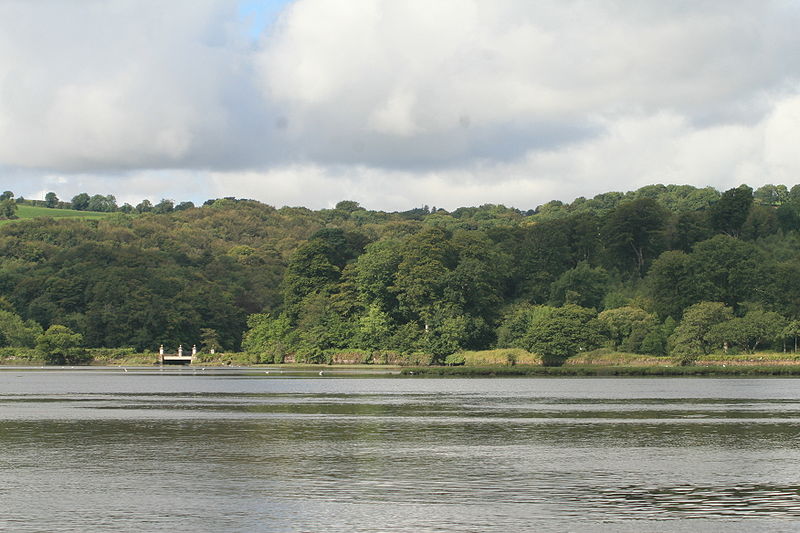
<point x="664" y="270"/>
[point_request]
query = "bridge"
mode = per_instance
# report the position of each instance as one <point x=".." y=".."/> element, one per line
<point x="176" y="358"/>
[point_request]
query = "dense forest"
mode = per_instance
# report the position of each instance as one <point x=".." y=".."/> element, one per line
<point x="664" y="270"/>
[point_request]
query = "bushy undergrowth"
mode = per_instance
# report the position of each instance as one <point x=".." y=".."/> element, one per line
<point x="501" y="357"/>
<point x="113" y="356"/>
<point x="748" y="358"/>
<point x="20" y="356"/>
<point x="605" y="356"/>
<point x="228" y="359"/>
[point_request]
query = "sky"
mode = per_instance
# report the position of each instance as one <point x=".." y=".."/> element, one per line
<point x="395" y="104"/>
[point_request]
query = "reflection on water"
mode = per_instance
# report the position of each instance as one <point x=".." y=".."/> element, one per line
<point x="703" y="502"/>
<point x="191" y="450"/>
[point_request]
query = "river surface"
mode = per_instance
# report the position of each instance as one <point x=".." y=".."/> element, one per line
<point x="192" y="450"/>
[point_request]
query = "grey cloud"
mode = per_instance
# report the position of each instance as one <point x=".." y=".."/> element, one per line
<point x="402" y="76"/>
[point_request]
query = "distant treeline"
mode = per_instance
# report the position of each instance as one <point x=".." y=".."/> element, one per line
<point x="664" y="270"/>
<point x="102" y="203"/>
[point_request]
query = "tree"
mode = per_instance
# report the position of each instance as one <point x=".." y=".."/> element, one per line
<point x="560" y="332"/>
<point x="104" y="204"/>
<point x="792" y="331"/>
<point x="515" y="323"/>
<point x="51" y="200"/>
<point x="446" y="335"/>
<point x="270" y="338"/>
<point x="8" y="209"/>
<point x="730" y="212"/>
<point x="407" y="337"/>
<point x="145" y="206"/>
<point x="16" y="332"/>
<point x="760" y="222"/>
<point x="540" y="253"/>
<point x="655" y="342"/>
<point x="773" y="195"/>
<point x="672" y="284"/>
<point x="209" y="340"/>
<point x="183" y="206"/>
<point x="582" y="285"/>
<point x="634" y="233"/>
<point x="622" y="322"/>
<point x="348" y="206"/>
<point x="374" y="273"/>
<point x="310" y="270"/>
<point x="321" y="328"/>
<point x="80" y="202"/>
<point x="60" y="346"/>
<point x="374" y="329"/>
<point x="583" y="237"/>
<point x="729" y="270"/>
<point x="748" y="332"/>
<point x="341" y="246"/>
<point x="164" y="206"/>
<point x="423" y="274"/>
<point x="781" y="281"/>
<point x="481" y="276"/>
<point x="690" y="227"/>
<point x="691" y="338"/>
<point x="788" y="215"/>
<point x="7" y="195"/>
<point x="606" y="201"/>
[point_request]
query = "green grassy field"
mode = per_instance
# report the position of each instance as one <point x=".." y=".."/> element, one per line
<point x="28" y="211"/>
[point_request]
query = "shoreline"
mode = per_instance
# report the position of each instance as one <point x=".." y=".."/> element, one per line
<point x="485" y="363"/>
<point x="607" y="371"/>
<point x="308" y="370"/>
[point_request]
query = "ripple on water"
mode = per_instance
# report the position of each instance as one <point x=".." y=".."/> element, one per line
<point x="687" y="501"/>
<point x="86" y="452"/>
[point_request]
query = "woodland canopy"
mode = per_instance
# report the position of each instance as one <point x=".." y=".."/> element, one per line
<point x="664" y="269"/>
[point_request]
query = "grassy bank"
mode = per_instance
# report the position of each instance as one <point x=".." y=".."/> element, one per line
<point x="20" y="356"/>
<point x="756" y="359"/>
<point x="605" y="357"/>
<point x="602" y="371"/>
<point x="498" y="357"/>
<point x="25" y="212"/>
<point x="499" y="362"/>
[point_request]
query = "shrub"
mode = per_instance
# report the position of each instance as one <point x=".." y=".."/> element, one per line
<point x="454" y="359"/>
<point x="61" y="346"/>
<point x="691" y="338"/>
<point x="20" y="355"/>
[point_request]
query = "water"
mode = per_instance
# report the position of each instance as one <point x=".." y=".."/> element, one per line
<point x="108" y="450"/>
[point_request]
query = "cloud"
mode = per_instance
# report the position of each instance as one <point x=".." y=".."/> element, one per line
<point x="415" y="82"/>
<point x="396" y="104"/>
<point x="630" y="153"/>
<point x="99" y="86"/>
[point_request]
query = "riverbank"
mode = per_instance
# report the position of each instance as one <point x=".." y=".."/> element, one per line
<point x="604" y="371"/>
<point x="499" y="362"/>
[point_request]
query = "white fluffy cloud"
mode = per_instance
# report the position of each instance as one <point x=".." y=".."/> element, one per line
<point x="397" y="104"/>
<point x="98" y="86"/>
